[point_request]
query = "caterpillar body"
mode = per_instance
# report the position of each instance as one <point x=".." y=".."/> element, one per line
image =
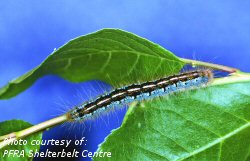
<point x="143" y="91"/>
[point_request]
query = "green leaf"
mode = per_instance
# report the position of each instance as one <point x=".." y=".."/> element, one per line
<point x="16" y="125"/>
<point x="210" y="124"/>
<point x="111" y="55"/>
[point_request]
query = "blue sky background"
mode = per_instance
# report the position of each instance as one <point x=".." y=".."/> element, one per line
<point x="214" y="31"/>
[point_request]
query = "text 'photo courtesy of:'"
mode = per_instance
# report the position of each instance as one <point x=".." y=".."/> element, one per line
<point x="131" y="80"/>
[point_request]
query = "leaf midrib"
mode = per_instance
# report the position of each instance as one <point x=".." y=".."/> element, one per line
<point x="105" y="52"/>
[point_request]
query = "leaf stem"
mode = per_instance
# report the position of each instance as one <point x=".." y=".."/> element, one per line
<point x="6" y="139"/>
<point x="210" y="65"/>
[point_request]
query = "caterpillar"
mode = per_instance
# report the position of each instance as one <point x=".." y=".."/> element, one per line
<point x="143" y="91"/>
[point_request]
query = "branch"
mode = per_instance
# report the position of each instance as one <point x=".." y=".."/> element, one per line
<point x="31" y="130"/>
<point x="236" y="77"/>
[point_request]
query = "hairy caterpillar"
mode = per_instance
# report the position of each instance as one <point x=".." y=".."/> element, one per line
<point x="143" y="91"/>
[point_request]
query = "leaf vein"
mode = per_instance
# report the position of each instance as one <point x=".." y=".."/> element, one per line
<point x="217" y="135"/>
<point x="207" y="146"/>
